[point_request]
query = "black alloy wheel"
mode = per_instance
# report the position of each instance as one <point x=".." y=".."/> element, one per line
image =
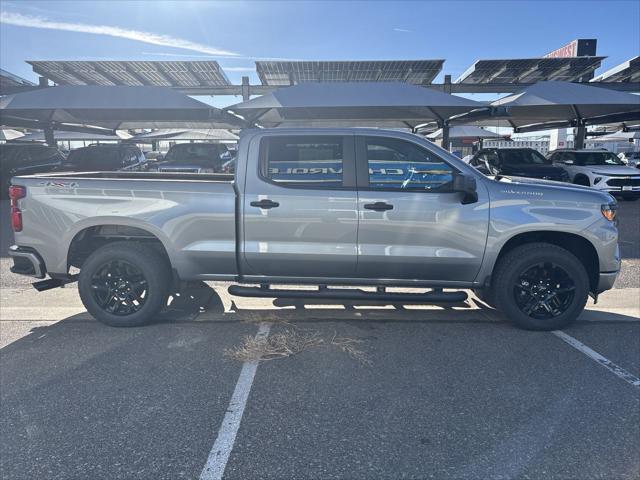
<point x="119" y="288"/>
<point x="540" y="286"/>
<point x="544" y="291"/>
<point x="125" y="284"/>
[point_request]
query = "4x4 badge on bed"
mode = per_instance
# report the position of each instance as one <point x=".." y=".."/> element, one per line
<point x="59" y="184"/>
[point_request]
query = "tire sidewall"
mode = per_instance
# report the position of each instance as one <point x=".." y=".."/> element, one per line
<point x="152" y="267"/>
<point x="510" y="272"/>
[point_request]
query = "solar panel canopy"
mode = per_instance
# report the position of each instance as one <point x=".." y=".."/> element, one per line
<point x="628" y="71"/>
<point x="527" y="70"/>
<point x="282" y="73"/>
<point x="133" y="73"/>
<point x="8" y="79"/>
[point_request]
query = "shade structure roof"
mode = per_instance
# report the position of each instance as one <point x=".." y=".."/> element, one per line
<point x="465" y="131"/>
<point x="546" y="103"/>
<point x="133" y="73"/>
<point x="9" y="134"/>
<point x="111" y="107"/>
<point x="283" y="73"/>
<point x="391" y="104"/>
<point x="181" y="134"/>
<point x="519" y="70"/>
<point x="74" y="136"/>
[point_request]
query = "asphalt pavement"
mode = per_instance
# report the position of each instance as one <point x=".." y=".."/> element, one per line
<point x="425" y="392"/>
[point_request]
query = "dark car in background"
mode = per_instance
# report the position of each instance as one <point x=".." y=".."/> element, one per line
<point x="517" y="162"/>
<point x="25" y="159"/>
<point x="105" y="157"/>
<point x="195" y="158"/>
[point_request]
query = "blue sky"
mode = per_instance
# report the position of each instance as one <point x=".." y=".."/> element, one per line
<point x="236" y="33"/>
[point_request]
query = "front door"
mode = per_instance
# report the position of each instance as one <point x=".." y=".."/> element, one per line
<point x="411" y="226"/>
<point x="300" y="209"/>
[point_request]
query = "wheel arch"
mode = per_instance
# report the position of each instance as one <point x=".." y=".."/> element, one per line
<point x="89" y="238"/>
<point x="582" y="177"/>
<point x="578" y="245"/>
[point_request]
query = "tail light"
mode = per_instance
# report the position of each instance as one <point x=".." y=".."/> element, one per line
<point x="16" y="192"/>
<point x="16" y="219"/>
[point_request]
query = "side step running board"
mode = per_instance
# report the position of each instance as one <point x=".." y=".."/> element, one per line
<point x="434" y="296"/>
<point x="50" y="283"/>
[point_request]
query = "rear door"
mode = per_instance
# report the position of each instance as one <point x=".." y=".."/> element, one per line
<point x="411" y="226"/>
<point x="300" y="206"/>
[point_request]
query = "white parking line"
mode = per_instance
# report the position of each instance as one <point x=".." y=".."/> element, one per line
<point x="605" y="362"/>
<point x="219" y="455"/>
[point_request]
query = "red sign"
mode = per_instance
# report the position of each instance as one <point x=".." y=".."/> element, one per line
<point x="569" y="50"/>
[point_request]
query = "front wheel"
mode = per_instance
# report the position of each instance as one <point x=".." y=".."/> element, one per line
<point x="582" y="180"/>
<point x="124" y="284"/>
<point x="540" y="286"/>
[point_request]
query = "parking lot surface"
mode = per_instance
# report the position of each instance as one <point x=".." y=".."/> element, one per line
<point x="426" y="392"/>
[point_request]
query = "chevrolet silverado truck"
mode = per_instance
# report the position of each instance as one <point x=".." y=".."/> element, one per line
<point x="331" y="209"/>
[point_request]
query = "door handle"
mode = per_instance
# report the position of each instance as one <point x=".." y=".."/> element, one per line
<point x="266" y="204"/>
<point x="378" y="206"/>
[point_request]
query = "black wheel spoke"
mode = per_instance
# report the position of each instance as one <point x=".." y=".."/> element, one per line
<point x="119" y="287"/>
<point x="544" y="291"/>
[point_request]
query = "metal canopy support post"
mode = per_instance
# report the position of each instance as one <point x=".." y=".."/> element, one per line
<point x="49" y="137"/>
<point x="246" y="94"/>
<point x="445" y="136"/>
<point x="579" y="132"/>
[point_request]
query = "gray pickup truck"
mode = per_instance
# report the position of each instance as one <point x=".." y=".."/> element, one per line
<point x="329" y="208"/>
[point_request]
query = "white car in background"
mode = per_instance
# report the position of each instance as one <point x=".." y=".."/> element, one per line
<point x="632" y="159"/>
<point x="599" y="169"/>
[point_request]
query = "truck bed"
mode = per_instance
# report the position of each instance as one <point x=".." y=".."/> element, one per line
<point x="192" y="215"/>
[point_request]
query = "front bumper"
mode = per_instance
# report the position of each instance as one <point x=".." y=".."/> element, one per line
<point x="606" y="281"/>
<point x="26" y="261"/>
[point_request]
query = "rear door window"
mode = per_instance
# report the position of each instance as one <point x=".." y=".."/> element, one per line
<point x="303" y="160"/>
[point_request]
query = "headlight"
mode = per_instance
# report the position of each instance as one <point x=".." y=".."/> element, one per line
<point x="609" y="211"/>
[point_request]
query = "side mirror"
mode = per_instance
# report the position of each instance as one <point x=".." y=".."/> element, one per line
<point x="568" y="162"/>
<point x="465" y="184"/>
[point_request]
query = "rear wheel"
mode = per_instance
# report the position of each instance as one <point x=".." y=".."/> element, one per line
<point x="540" y="286"/>
<point x="124" y="284"/>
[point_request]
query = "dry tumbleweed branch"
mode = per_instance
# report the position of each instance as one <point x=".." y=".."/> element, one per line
<point x="291" y="342"/>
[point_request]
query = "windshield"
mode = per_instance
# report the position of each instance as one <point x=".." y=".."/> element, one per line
<point x="196" y="153"/>
<point x="522" y="157"/>
<point x="597" y="158"/>
<point x="95" y="158"/>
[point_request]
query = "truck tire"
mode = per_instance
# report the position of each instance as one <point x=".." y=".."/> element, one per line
<point x="124" y="284"/>
<point x="540" y="286"/>
<point x="582" y="180"/>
